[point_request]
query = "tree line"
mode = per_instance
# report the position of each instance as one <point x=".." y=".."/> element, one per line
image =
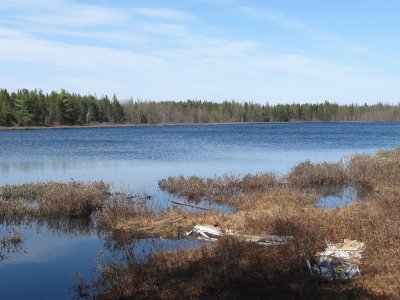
<point x="35" y="108"/>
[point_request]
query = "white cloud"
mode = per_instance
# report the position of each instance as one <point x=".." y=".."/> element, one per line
<point x="170" y="14"/>
<point x="70" y="56"/>
<point x="114" y="37"/>
<point x="28" y="5"/>
<point x="161" y="56"/>
<point x="218" y="69"/>
<point x="164" y="28"/>
<point x="79" y="15"/>
<point x="61" y="13"/>
<point x="12" y="33"/>
<point x="273" y="16"/>
<point x="341" y="43"/>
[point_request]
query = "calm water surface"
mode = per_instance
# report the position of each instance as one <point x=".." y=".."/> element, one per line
<point x="135" y="158"/>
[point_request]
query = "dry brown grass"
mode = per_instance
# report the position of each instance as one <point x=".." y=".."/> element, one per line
<point x="229" y="269"/>
<point x="226" y="189"/>
<point x="194" y="188"/>
<point x="122" y="207"/>
<point x="255" y="215"/>
<point x="375" y="170"/>
<point x="308" y="174"/>
<point x="258" y="182"/>
<point x="134" y="219"/>
<point x="72" y="199"/>
<point x="234" y="269"/>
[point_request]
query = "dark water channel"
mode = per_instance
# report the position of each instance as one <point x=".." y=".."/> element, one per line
<point x="46" y="263"/>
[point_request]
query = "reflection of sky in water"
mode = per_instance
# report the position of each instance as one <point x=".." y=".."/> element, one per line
<point x="344" y="198"/>
<point x="48" y="264"/>
<point x="135" y="159"/>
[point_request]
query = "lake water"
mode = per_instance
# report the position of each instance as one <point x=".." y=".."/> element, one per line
<point x="134" y="159"/>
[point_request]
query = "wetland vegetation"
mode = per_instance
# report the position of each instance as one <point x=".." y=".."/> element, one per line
<point x="232" y="268"/>
<point x="264" y="203"/>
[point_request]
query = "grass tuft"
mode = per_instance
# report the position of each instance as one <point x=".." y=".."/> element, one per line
<point x="308" y="174"/>
<point x="73" y="199"/>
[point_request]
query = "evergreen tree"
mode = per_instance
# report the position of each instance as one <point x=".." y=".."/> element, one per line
<point x="117" y="111"/>
<point x="34" y="108"/>
<point x="6" y="108"/>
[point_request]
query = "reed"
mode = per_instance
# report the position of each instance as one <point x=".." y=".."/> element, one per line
<point x="308" y="174"/>
<point x="376" y="170"/>
<point x="194" y="188"/>
<point x="259" y="182"/>
<point x="71" y="199"/>
<point x="225" y="189"/>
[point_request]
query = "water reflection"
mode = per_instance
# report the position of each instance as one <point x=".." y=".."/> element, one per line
<point x="142" y="249"/>
<point x="71" y="227"/>
<point x="13" y="232"/>
<point x="55" y="250"/>
<point x="335" y="196"/>
<point x="11" y="242"/>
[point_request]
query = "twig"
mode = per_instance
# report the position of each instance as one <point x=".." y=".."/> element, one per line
<point x="192" y="205"/>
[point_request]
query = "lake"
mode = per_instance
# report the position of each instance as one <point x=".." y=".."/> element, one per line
<point x="134" y="159"/>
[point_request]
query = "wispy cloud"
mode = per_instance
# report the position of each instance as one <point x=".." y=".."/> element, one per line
<point x="79" y="15"/>
<point x="217" y="71"/>
<point x="115" y="38"/>
<point x="162" y="13"/>
<point x="27" y="5"/>
<point x="165" y="53"/>
<point x="12" y="33"/>
<point x="164" y="28"/>
<point x="342" y="43"/>
<point x="318" y="37"/>
<point x="273" y="16"/>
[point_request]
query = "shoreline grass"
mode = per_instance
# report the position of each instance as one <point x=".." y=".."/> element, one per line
<point x="233" y="269"/>
<point x="46" y="199"/>
<point x="265" y="205"/>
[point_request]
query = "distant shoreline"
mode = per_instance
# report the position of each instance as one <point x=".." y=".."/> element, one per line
<point x="107" y="125"/>
<point x="32" y="109"/>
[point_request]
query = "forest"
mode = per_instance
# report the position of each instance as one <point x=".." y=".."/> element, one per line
<point x="25" y="108"/>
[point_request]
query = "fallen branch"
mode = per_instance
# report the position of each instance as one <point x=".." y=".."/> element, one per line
<point x="192" y="205"/>
<point x="213" y="233"/>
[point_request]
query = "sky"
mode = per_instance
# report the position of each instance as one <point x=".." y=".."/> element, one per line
<point x="270" y="51"/>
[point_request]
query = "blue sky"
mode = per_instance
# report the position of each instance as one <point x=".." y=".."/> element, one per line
<point x="262" y="51"/>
